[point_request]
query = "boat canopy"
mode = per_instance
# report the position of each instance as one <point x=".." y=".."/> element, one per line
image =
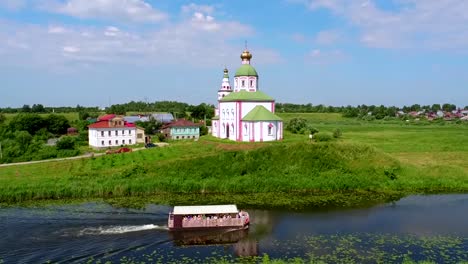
<point x="205" y="209"/>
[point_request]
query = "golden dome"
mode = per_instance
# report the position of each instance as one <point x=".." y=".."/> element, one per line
<point x="246" y="55"/>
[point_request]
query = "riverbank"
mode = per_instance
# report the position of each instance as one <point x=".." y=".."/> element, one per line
<point x="371" y="163"/>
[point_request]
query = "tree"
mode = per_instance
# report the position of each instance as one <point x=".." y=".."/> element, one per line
<point x="202" y="111"/>
<point x="23" y="138"/>
<point x="66" y="143"/>
<point x="449" y="107"/>
<point x="57" y="124"/>
<point x="152" y="126"/>
<point x="435" y="107"/>
<point x="297" y="125"/>
<point x="37" y="108"/>
<point x="27" y="122"/>
<point x="26" y="109"/>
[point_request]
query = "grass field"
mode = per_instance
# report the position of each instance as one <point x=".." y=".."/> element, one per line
<point x="372" y="161"/>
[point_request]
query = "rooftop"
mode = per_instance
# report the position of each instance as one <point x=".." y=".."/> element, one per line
<point x="257" y="96"/>
<point x="205" y="209"/>
<point x="260" y="113"/>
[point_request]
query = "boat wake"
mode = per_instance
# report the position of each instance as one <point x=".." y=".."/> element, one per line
<point x="112" y="230"/>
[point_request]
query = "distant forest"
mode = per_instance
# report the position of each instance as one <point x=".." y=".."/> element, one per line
<point x="180" y="109"/>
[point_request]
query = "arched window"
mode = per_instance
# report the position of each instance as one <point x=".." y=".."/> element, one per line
<point x="271" y="129"/>
<point x="251" y="83"/>
<point x="243" y="83"/>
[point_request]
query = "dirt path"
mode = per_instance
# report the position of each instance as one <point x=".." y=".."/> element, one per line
<point x="88" y="155"/>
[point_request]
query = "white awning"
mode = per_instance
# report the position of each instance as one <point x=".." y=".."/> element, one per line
<point x="205" y="209"/>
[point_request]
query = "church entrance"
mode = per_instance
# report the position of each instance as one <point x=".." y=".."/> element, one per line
<point x="227" y="130"/>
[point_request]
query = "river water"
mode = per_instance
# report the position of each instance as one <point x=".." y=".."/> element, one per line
<point x="433" y="228"/>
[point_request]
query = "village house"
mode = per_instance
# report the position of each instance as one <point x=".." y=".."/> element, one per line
<point x="181" y="129"/>
<point x="112" y="130"/>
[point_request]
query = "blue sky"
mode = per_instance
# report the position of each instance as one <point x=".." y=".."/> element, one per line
<point x="333" y="52"/>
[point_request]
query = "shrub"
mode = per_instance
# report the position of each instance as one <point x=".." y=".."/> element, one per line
<point x="297" y="125"/>
<point x="66" y="143"/>
<point x="337" y="133"/>
<point x="161" y="137"/>
<point x="203" y="131"/>
<point x="323" y="137"/>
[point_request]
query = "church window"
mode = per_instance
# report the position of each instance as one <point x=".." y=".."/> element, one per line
<point x="129" y="141"/>
<point x="109" y="133"/>
<point x="110" y="142"/>
<point x="102" y="143"/>
<point x="123" y="141"/>
<point x="246" y="130"/>
<point x="129" y="132"/>
<point x="102" y="133"/>
<point x="243" y="83"/>
<point x="116" y="142"/>
<point x="116" y="133"/>
<point x="223" y="95"/>
<point x="270" y="129"/>
<point x="251" y="83"/>
<point x="123" y="132"/>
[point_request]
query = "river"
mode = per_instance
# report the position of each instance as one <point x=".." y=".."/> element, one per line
<point x="416" y="228"/>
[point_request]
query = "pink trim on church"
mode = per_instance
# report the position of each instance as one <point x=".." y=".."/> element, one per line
<point x="261" y="131"/>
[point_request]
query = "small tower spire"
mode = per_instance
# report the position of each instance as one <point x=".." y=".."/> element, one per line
<point x="225" y="85"/>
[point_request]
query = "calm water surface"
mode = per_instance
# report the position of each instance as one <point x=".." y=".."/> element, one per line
<point x="417" y="227"/>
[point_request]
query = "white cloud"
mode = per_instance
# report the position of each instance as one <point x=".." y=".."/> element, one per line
<point x="198" y="40"/>
<point x="111" y="31"/>
<point x="206" y="9"/>
<point x="427" y="24"/>
<point x="56" y="30"/>
<point x="130" y="10"/>
<point x="71" y="49"/>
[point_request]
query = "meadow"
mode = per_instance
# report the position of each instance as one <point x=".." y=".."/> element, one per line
<point x="372" y="162"/>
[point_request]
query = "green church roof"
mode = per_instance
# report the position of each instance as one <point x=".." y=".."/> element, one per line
<point x="260" y="113"/>
<point x="247" y="96"/>
<point x="246" y="70"/>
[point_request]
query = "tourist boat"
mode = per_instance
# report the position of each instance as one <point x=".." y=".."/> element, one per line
<point x="201" y="217"/>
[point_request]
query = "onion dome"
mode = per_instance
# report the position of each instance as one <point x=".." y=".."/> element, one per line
<point x="246" y="70"/>
<point x="226" y="75"/>
<point x="246" y="55"/>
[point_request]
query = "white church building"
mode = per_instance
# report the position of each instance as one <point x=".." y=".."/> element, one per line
<point x="245" y="113"/>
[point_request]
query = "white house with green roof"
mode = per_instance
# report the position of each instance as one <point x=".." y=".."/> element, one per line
<point x="245" y="113"/>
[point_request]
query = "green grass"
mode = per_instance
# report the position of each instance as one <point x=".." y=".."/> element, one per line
<point x="371" y="163"/>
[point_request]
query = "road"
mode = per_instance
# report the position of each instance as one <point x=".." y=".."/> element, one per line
<point x="88" y="155"/>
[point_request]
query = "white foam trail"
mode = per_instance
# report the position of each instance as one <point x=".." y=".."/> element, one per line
<point x="118" y="229"/>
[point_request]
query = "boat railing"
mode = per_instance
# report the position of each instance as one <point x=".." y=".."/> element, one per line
<point x="213" y="222"/>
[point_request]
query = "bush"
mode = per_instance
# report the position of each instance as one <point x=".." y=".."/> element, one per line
<point x="66" y="143"/>
<point x="297" y="126"/>
<point x="337" y="133"/>
<point x="161" y="137"/>
<point x="323" y="137"/>
<point x="203" y="131"/>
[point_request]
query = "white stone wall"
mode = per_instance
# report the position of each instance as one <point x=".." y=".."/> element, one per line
<point x="228" y="113"/>
<point x="259" y="132"/>
<point x="125" y="136"/>
<point x="250" y="83"/>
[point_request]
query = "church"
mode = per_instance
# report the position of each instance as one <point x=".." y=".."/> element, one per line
<point x="245" y="113"/>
